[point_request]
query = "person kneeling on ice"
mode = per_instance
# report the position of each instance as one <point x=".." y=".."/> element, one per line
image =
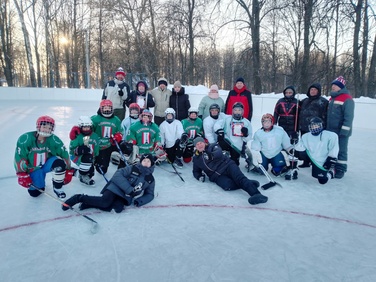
<point x="38" y="153"/>
<point x="322" y="148"/>
<point x="209" y="159"/>
<point x="129" y="184"/>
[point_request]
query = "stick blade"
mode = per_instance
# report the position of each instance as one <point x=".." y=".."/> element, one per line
<point x="94" y="228"/>
<point x="268" y="185"/>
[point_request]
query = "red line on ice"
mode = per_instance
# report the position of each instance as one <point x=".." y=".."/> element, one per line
<point x="200" y="206"/>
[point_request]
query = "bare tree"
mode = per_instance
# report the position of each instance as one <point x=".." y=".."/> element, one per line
<point x="6" y="30"/>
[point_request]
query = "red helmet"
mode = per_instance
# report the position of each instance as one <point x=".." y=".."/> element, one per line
<point x="146" y="112"/>
<point x="45" y="120"/>
<point x="106" y="103"/>
<point x="268" y="116"/>
<point x="134" y="106"/>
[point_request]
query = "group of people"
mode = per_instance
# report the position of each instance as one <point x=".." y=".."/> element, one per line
<point x="213" y="136"/>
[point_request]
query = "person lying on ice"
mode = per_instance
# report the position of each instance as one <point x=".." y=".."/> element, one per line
<point x="209" y="159"/>
<point x="129" y="184"/>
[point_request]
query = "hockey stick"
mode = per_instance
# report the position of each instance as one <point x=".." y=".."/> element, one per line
<point x="177" y="173"/>
<point x="94" y="228"/>
<point x="271" y="183"/>
<point x="119" y="150"/>
<point x="102" y="173"/>
<point x="174" y="172"/>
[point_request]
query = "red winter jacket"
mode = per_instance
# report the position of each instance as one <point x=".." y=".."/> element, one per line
<point x="243" y="96"/>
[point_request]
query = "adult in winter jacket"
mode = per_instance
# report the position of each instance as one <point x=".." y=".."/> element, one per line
<point x="339" y="120"/>
<point x="132" y="184"/>
<point x="285" y="113"/>
<point x="117" y="90"/>
<point x="313" y="106"/>
<point x="140" y="96"/>
<point x="209" y="160"/>
<point x="161" y="97"/>
<point x="210" y="99"/>
<point x="242" y="95"/>
<point x="179" y="101"/>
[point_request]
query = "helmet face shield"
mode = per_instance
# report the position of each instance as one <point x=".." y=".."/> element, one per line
<point x="316" y="126"/>
<point x="170" y="114"/>
<point x="106" y="108"/>
<point x="45" y="126"/>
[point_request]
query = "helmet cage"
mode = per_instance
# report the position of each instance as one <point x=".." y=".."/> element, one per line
<point x="45" y="120"/>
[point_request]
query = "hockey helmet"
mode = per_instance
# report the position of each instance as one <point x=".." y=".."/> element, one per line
<point x="45" y="121"/>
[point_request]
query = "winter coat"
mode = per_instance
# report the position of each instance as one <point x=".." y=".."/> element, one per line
<point x="232" y="129"/>
<point x="285" y="112"/>
<point x="144" y="100"/>
<point x="116" y="91"/>
<point x="243" y="96"/>
<point x="270" y="143"/>
<point x="125" y="179"/>
<point x="340" y="113"/>
<point x="180" y="103"/>
<point x="162" y="101"/>
<point x="310" y="107"/>
<point x="206" y="102"/>
<point x="211" y="161"/>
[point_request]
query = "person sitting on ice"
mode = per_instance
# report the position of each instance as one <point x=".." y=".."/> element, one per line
<point x="269" y="141"/>
<point x="233" y="132"/>
<point x="192" y="126"/>
<point x="144" y="136"/>
<point x="84" y="149"/>
<point x="38" y="153"/>
<point x="209" y="160"/>
<point x="322" y="149"/>
<point x="132" y="184"/>
<point x="171" y="131"/>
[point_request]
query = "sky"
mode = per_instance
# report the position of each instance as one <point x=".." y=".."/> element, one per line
<point x="191" y="231"/>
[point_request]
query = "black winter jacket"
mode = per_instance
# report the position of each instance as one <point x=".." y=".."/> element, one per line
<point x="180" y="103"/>
<point x="285" y="112"/>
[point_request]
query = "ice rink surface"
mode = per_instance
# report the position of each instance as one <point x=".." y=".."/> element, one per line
<point x="191" y="231"/>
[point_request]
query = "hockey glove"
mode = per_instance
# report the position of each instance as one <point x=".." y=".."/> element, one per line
<point x="221" y="134"/>
<point x="118" y="137"/>
<point x="24" y="179"/>
<point x="244" y="131"/>
<point x="126" y="147"/>
<point x="75" y="131"/>
<point x="184" y="140"/>
<point x="82" y="150"/>
<point x="202" y="178"/>
<point x="329" y="162"/>
<point x="294" y="137"/>
<point x="68" y="175"/>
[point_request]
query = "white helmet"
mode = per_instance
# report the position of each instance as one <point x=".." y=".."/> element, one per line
<point x="85" y="121"/>
<point x="192" y="110"/>
<point x="170" y="111"/>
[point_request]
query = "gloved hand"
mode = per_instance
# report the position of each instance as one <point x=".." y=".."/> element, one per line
<point x="126" y="147"/>
<point x="137" y="188"/>
<point x="294" y="137"/>
<point x="75" y="131"/>
<point x="81" y="150"/>
<point x="118" y="137"/>
<point x="24" y="179"/>
<point x="221" y="134"/>
<point x="329" y="162"/>
<point x="202" y="178"/>
<point x="120" y="92"/>
<point x="68" y="175"/>
<point x="244" y="131"/>
<point x="184" y="140"/>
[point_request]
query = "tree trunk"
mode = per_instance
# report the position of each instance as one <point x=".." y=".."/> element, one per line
<point x="6" y="44"/>
<point x="371" y="86"/>
<point x="356" y="57"/>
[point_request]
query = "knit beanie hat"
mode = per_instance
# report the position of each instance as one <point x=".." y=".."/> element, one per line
<point x="240" y="79"/>
<point x="214" y="88"/>
<point x="120" y="71"/>
<point x="177" y="84"/>
<point x="162" y="80"/>
<point x="147" y="156"/>
<point x="198" y="139"/>
<point x="340" y="82"/>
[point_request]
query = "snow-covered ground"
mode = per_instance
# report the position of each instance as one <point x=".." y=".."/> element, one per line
<point x="191" y="231"/>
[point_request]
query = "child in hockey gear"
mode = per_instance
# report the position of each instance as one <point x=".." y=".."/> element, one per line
<point x="270" y="140"/>
<point x="106" y="125"/>
<point x="132" y="184"/>
<point x="126" y="148"/>
<point x="145" y="137"/>
<point x="39" y="152"/>
<point x="192" y="126"/>
<point x="171" y="131"/>
<point x="286" y="111"/>
<point x="210" y="160"/>
<point x="322" y="148"/>
<point x="208" y="123"/>
<point x="83" y="149"/>
<point x="233" y="131"/>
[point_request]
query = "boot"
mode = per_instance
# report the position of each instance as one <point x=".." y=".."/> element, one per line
<point x="85" y="179"/>
<point x="60" y="193"/>
<point x="178" y="163"/>
<point x="75" y="199"/>
<point x="257" y="199"/>
<point x="305" y="164"/>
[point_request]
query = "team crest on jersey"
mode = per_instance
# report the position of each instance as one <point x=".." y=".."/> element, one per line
<point x="192" y="133"/>
<point x="106" y="131"/>
<point x="146" y="138"/>
<point x="40" y="159"/>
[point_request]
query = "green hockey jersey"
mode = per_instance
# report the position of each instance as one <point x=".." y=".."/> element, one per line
<point x="144" y="136"/>
<point x="104" y="128"/>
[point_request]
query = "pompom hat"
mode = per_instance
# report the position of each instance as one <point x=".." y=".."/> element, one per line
<point x="340" y="82"/>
